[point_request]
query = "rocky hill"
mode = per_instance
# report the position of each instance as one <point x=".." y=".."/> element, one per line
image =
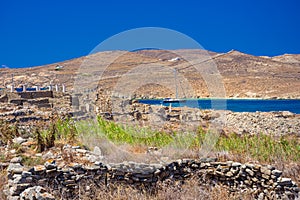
<point x="242" y="75"/>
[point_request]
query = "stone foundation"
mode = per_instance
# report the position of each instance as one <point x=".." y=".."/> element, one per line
<point x="34" y="95"/>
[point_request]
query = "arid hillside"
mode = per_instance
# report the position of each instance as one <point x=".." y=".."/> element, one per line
<point x="150" y="73"/>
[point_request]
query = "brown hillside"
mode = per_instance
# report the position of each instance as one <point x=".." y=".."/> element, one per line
<point x="243" y="75"/>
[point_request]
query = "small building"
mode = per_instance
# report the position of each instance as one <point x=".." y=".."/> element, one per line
<point x="59" y="67"/>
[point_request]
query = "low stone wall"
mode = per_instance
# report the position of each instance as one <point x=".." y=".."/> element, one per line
<point x="262" y="181"/>
<point x="3" y="98"/>
<point x="34" y="95"/>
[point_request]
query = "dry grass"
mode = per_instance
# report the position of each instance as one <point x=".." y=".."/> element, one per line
<point x="8" y="131"/>
<point x="189" y="189"/>
<point x="3" y="183"/>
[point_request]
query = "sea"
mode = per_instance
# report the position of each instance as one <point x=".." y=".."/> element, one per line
<point x="236" y="105"/>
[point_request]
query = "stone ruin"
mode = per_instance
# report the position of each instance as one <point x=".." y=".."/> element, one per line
<point x="50" y="180"/>
<point x="33" y="106"/>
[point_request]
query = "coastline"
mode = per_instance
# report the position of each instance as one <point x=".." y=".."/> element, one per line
<point x="222" y="98"/>
<point x="234" y="104"/>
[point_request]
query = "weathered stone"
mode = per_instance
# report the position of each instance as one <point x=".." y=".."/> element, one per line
<point x="276" y="173"/>
<point x="250" y="172"/>
<point x="266" y="171"/>
<point x="256" y="167"/>
<point x="36" y="193"/>
<point x="15" y="168"/>
<point x="243" y="166"/>
<point x="50" y="165"/>
<point x="83" y="151"/>
<point x="270" y="167"/>
<point x="48" y="156"/>
<point x="68" y="182"/>
<point x="195" y="166"/>
<point x="157" y="172"/>
<point x="296" y="189"/>
<point x="208" y="159"/>
<point x="19" y="140"/>
<point x="16" y="160"/>
<point x="39" y="168"/>
<point x="18" y="188"/>
<point x="205" y="165"/>
<point x="285" y="182"/>
<point x="250" y="166"/>
<point x="254" y="179"/>
<point x="13" y="198"/>
<point x="75" y="165"/>
<point x="43" y="181"/>
<point x="3" y="165"/>
<point x="97" y="151"/>
<point x="287" y="114"/>
<point x="261" y="196"/>
<point x="51" y="172"/>
<point x="248" y="182"/>
<point x="26" y="174"/>
<point x="229" y="174"/>
<point x="236" y="164"/>
<point x="265" y="176"/>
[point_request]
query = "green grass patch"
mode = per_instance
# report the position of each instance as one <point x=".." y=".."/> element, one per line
<point x="134" y="135"/>
<point x="65" y="130"/>
<point x="262" y="147"/>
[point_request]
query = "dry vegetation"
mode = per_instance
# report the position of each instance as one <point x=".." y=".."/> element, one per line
<point x="3" y="183"/>
<point x="190" y="189"/>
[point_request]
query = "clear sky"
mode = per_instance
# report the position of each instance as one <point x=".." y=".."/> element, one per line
<point x="36" y="32"/>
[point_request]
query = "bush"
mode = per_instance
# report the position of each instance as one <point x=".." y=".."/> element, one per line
<point x="8" y="131"/>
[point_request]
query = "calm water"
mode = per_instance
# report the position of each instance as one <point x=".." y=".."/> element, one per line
<point x="236" y="105"/>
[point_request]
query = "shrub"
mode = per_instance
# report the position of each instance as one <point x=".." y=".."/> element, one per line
<point x="8" y="131"/>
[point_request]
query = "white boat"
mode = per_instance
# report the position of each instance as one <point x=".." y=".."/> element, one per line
<point x="172" y="100"/>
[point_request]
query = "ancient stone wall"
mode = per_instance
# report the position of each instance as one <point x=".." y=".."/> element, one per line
<point x="33" y="95"/>
<point x="262" y="181"/>
<point x="3" y="98"/>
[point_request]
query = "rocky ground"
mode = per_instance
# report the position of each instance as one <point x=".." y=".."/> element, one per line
<point x="273" y="123"/>
<point x="190" y="119"/>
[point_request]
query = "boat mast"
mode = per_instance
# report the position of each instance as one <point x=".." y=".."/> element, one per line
<point x="175" y="76"/>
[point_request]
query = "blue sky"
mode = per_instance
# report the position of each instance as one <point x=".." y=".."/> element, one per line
<point x="35" y="32"/>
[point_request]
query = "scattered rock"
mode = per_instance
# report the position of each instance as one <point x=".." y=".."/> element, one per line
<point x="19" y="140"/>
<point x="48" y="155"/>
<point x="15" y="168"/>
<point x="97" y="151"/>
<point x="36" y="193"/>
<point x="16" y="160"/>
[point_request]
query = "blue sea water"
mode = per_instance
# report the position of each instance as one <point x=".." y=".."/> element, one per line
<point x="236" y="105"/>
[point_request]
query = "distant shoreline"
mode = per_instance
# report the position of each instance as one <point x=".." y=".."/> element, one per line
<point x="226" y="98"/>
<point x="234" y="104"/>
